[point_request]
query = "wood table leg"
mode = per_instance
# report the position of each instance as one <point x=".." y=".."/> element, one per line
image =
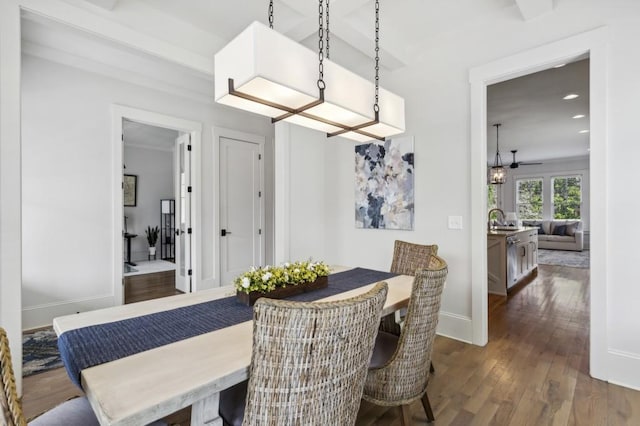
<point x="205" y="411"/>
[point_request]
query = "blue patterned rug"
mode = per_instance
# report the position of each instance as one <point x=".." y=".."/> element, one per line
<point x="40" y="352"/>
<point x="574" y="259"/>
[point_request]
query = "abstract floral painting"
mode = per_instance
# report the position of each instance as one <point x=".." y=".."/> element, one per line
<point x="384" y="185"/>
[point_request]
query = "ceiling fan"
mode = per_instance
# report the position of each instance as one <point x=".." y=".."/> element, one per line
<point x="517" y="164"/>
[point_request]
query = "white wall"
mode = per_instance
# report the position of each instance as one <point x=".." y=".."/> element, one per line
<point x="547" y="170"/>
<point x="10" y="184"/>
<point x="623" y="322"/>
<point x="437" y="97"/>
<point x="321" y="208"/>
<point x="302" y="204"/>
<point x="67" y="173"/>
<point x="154" y="169"/>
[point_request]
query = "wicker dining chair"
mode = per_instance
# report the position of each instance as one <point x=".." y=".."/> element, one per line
<point x="74" y="412"/>
<point x="308" y="363"/>
<point x="407" y="259"/>
<point x="399" y="370"/>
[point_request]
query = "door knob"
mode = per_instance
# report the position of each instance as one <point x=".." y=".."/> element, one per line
<point x="224" y="232"/>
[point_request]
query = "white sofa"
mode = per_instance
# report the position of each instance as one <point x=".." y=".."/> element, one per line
<point x="552" y="235"/>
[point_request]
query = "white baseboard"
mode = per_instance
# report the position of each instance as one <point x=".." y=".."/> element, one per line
<point x="43" y="315"/>
<point x="455" y="326"/>
<point x="624" y="369"/>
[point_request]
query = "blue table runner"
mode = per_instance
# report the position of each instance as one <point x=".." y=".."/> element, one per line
<point x="97" y="344"/>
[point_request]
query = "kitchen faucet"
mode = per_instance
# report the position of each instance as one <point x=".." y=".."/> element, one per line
<point x="489" y="217"/>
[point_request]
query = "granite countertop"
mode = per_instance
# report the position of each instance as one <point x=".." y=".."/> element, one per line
<point x="508" y="231"/>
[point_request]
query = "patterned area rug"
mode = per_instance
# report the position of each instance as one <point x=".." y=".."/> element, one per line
<point x="574" y="259"/>
<point x="40" y="352"/>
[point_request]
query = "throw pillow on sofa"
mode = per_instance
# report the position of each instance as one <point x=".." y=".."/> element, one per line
<point x="560" y="230"/>
<point x="540" y="228"/>
<point x="535" y="225"/>
<point x="572" y="228"/>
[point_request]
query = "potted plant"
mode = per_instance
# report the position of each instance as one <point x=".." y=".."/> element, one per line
<point x="278" y="282"/>
<point x="152" y="238"/>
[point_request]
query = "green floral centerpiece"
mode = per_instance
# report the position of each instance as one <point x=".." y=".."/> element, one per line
<point x="278" y="282"/>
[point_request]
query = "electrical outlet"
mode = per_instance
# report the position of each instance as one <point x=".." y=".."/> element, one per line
<point x="455" y="222"/>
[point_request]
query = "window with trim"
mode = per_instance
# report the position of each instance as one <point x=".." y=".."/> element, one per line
<point x="492" y="197"/>
<point x="566" y="196"/>
<point x="529" y="198"/>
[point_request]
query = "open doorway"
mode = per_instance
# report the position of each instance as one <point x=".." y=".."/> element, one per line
<point x="150" y="179"/>
<point x="154" y="204"/>
<point x="538" y="143"/>
<point x="541" y="204"/>
<point x="592" y="44"/>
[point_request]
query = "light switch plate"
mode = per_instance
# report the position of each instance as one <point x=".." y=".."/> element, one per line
<point x="455" y="222"/>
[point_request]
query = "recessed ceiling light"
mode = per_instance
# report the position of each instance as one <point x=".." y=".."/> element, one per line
<point x="579" y="116"/>
<point x="559" y="65"/>
<point x="570" y="96"/>
<point x="583" y="131"/>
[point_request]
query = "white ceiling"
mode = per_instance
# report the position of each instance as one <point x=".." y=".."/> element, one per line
<point x="407" y="27"/>
<point x="535" y="118"/>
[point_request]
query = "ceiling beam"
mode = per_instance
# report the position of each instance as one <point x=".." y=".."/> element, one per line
<point x="340" y="11"/>
<point x="531" y="9"/>
<point x="301" y="30"/>
<point x="365" y="44"/>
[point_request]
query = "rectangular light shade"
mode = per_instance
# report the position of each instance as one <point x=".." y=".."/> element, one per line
<point x="265" y="64"/>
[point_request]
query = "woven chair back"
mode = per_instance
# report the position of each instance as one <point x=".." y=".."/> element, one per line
<point x="409" y="257"/>
<point x="404" y="378"/>
<point x="11" y="411"/>
<point x="309" y="360"/>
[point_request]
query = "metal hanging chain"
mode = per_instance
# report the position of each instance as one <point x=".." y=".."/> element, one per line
<point x="376" y="107"/>
<point x="498" y="160"/>
<point x="321" y="84"/>
<point x="327" y="50"/>
<point x="271" y="14"/>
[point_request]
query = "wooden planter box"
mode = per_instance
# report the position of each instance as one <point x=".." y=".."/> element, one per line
<point x="283" y="292"/>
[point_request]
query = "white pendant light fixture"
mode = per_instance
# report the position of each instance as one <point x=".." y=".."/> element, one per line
<point x="497" y="173"/>
<point x="264" y="72"/>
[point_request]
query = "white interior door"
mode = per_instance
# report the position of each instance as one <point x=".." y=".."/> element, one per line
<point x="240" y="207"/>
<point x="183" y="213"/>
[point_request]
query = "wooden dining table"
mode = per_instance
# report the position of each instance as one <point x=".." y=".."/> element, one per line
<point x="146" y="386"/>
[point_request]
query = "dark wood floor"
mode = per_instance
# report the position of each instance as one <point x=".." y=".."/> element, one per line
<point x="149" y="286"/>
<point x="535" y="369"/>
<point x="46" y="390"/>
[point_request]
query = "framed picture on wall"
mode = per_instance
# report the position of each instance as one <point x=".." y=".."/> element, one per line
<point x="130" y="190"/>
<point x="385" y="185"/>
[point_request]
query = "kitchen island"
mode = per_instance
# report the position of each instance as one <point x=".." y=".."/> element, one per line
<point x="512" y="255"/>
